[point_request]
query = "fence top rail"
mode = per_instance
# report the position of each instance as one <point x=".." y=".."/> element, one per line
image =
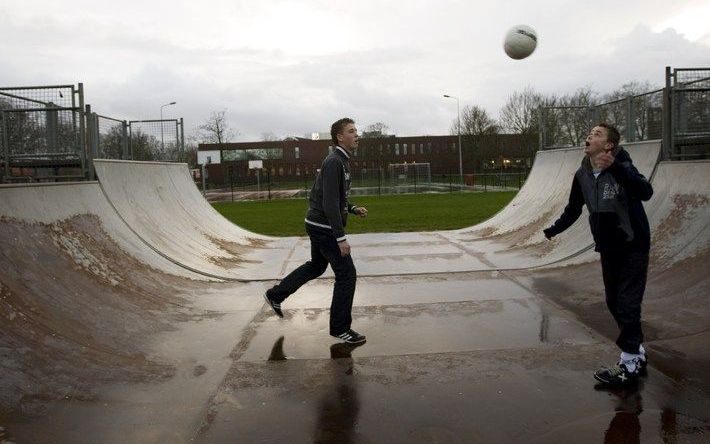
<point x="35" y="87"/>
<point x="153" y="121"/>
<point x="612" y="101"/>
<point x="691" y="69"/>
<point x="152" y="162"/>
<point x="705" y="89"/>
<point x="110" y="118"/>
<point x="648" y="93"/>
<point x="46" y="155"/>
<point x="568" y="107"/>
<point x="51" y="108"/>
<point x="22" y="98"/>
<point x="48" y="184"/>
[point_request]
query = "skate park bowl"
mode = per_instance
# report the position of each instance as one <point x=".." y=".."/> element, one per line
<point x="133" y="312"/>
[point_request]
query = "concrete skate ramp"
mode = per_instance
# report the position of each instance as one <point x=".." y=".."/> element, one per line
<point x="56" y="204"/>
<point x="162" y="205"/>
<point x="679" y="212"/>
<point x="79" y="293"/>
<point x="105" y="340"/>
<point x="675" y="315"/>
<point x="512" y="239"/>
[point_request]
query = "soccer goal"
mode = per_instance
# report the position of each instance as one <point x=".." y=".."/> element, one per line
<point x="410" y="174"/>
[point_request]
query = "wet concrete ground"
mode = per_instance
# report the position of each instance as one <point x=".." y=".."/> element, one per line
<point x="460" y="358"/>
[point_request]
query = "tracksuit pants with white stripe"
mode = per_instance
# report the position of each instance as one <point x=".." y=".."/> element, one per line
<point x="324" y="251"/>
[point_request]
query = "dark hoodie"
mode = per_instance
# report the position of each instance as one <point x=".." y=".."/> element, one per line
<point x="616" y="215"/>
<point x="328" y="199"/>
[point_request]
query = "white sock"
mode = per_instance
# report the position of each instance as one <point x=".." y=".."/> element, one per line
<point x="630" y="360"/>
<point x="642" y="352"/>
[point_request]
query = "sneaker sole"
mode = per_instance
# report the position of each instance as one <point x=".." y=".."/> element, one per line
<point x="268" y="302"/>
<point x="358" y="341"/>
<point x="615" y="384"/>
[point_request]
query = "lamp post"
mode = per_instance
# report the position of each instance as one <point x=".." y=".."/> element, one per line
<point x="162" y="143"/>
<point x="458" y="128"/>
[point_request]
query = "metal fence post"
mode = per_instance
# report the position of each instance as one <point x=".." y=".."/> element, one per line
<point x="83" y="146"/>
<point x="541" y="127"/>
<point x="178" y="145"/>
<point x="125" y="154"/>
<point x="52" y="122"/>
<point x="130" y="140"/>
<point x="667" y="140"/>
<point x="593" y="115"/>
<point x="182" y="135"/>
<point x="5" y="144"/>
<point x="630" y="120"/>
<point x="89" y="130"/>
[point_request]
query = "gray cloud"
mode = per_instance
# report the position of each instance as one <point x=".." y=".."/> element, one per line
<point x="384" y="62"/>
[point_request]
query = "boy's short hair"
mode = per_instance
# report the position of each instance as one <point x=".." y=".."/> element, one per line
<point x="337" y="128"/>
<point x="612" y="134"/>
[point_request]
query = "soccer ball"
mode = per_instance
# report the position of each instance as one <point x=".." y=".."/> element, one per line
<point x="520" y="41"/>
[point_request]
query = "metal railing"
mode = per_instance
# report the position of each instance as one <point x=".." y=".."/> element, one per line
<point x="42" y="130"/>
<point x="689" y="104"/>
<point x="679" y="114"/>
<point x="49" y="133"/>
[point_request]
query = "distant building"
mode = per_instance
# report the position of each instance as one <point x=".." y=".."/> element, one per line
<point x="295" y="158"/>
<point x="319" y="136"/>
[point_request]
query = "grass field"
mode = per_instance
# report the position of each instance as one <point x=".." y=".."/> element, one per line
<point x="392" y="213"/>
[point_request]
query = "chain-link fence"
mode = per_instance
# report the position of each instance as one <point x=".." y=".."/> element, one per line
<point x="112" y="138"/>
<point x="48" y="133"/>
<point x="690" y="117"/>
<point x="637" y="118"/>
<point x="156" y="139"/>
<point x="364" y="181"/>
<point x="679" y="114"/>
<point x="41" y="133"/>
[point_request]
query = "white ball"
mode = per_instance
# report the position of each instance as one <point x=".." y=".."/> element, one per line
<point x="520" y="41"/>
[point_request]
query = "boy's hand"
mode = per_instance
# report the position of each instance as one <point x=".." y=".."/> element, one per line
<point x="361" y="211"/>
<point x="344" y="248"/>
<point x="605" y="160"/>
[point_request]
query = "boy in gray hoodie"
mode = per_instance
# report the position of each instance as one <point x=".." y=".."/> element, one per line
<point x="613" y="189"/>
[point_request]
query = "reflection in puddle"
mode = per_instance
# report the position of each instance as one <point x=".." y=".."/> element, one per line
<point x="339" y="407"/>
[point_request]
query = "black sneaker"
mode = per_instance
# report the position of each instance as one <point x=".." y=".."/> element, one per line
<point x="351" y="337"/>
<point x="616" y="376"/>
<point x="276" y="306"/>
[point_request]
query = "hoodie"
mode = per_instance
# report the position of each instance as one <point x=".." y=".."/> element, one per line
<point x="616" y="215"/>
<point x="328" y="199"/>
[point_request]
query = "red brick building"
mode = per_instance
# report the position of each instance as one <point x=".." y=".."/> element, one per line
<point x="295" y="158"/>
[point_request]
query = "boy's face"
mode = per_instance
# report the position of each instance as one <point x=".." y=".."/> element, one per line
<point x="348" y="138"/>
<point x="597" y="142"/>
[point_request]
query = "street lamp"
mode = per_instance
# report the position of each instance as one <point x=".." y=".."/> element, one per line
<point x="458" y="128"/>
<point x="162" y="143"/>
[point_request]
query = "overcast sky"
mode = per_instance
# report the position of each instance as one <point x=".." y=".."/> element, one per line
<point x="293" y="67"/>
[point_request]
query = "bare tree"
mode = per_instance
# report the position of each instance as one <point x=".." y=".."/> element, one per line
<point x="216" y="129"/>
<point x="519" y="114"/>
<point x="111" y="143"/>
<point x="642" y="107"/>
<point x="575" y="120"/>
<point x="377" y="129"/>
<point x="145" y="146"/>
<point x="475" y="121"/>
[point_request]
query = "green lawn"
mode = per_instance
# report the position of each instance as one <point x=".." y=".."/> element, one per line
<point x="392" y="213"/>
